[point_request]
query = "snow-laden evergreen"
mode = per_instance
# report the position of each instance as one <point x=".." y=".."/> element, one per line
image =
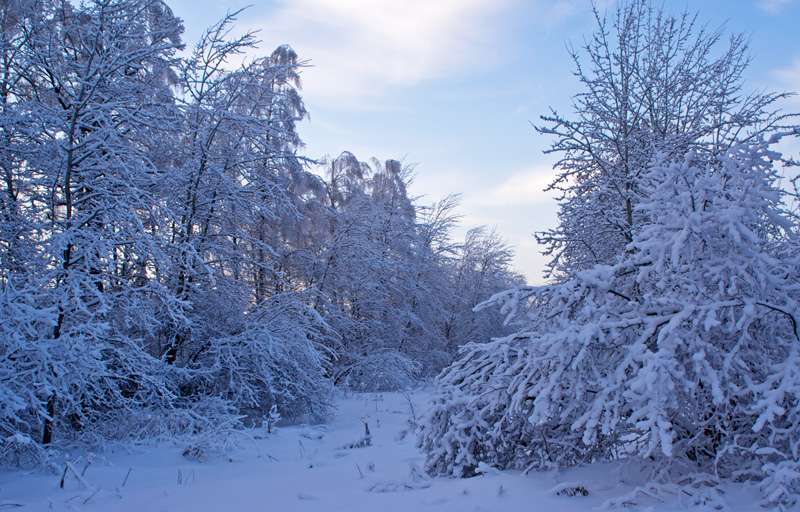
<point x="685" y="351"/>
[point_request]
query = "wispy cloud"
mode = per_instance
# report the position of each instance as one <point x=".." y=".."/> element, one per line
<point x="359" y="49"/>
<point x="522" y="188"/>
<point x="518" y="207"/>
<point x="789" y="77"/>
<point x="561" y="10"/>
<point x="774" y="6"/>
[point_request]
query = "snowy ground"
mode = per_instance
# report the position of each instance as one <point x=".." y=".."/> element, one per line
<point x="311" y="468"/>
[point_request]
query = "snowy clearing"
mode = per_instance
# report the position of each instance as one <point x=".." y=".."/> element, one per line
<point x="312" y="468"/>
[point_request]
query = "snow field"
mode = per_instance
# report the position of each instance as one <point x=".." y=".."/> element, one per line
<point x="309" y="468"/>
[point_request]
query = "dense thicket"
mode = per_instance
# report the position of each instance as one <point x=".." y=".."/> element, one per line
<point x="170" y="264"/>
<point x="671" y="333"/>
<point x="393" y="286"/>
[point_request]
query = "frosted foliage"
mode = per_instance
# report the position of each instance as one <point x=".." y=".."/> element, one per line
<point x="382" y="371"/>
<point x="276" y="359"/>
<point x="653" y="85"/>
<point x="396" y="291"/>
<point x="169" y="265"/>
<point x="685" y="350"/>
<point x="135" y="190"/>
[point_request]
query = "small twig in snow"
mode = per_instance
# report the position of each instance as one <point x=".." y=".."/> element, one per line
<point x="407" y="396"/>
<point x="126" y="476"/>
<point x="258" y="448"/>
<point x="87" y="500"/>
<point x="77" y="476"/>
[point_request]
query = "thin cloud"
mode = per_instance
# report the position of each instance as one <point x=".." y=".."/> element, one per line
<point x="523" y="188"/>
<point x="562" y="10"/>
<point x="360" y="49"/>
<point x="774" y="6"/>
<point x="789" y="77"/>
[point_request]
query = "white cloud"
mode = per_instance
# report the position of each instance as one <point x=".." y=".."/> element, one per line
<point x="522" y="188"/>
<point x="529" y="260"/>
<point x="361" y="48"/>
<point x="773" y="6"/>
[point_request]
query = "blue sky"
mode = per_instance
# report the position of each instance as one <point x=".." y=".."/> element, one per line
<point x="452" y="86"/>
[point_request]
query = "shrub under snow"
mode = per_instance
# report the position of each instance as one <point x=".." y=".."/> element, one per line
<point x="686" y="351"/>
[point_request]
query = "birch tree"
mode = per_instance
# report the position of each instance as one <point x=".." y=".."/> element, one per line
<point x="653" y="84"/>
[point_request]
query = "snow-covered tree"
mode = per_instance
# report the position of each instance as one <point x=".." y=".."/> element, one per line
<point x="479" y="269"/>
<point x="232" y="149"/>
<point x="134" y="188"/>
<point x="395" y="288"/>
<point x="237" y="174"/>
<point x="653" y="83"/>
<point x="670" y="332"/>
<point x="364" y="270"/>
<point x="91" y="83"/>
<point x="684" y="351"/>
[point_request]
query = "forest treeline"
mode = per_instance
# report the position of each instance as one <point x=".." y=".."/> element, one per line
<point x="170" y="264"/>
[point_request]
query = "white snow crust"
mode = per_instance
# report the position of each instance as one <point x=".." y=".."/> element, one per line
<point x="308" y="468"/>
